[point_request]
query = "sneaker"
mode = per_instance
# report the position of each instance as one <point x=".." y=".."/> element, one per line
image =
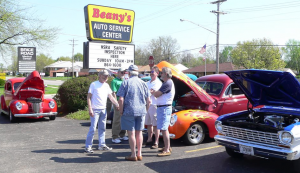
<point x="117" y="141"/>
<point x="104" y="148"/>
<point x="88" y="150"/>
<point x="125" y="138"/>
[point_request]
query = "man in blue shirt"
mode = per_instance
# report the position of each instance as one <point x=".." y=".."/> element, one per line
<point x="134" y="101"/>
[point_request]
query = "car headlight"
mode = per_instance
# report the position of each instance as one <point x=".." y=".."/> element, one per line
<point x="219" y="127"/>
<point x="51" y="104"/>
<point x="19" y="105"/>
<point x="286" y="137"/>
<point x="173" y="119"/>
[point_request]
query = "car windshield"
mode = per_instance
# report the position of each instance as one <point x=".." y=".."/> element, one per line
<point x="212" y="88"/>
<point x="16" y="85"/>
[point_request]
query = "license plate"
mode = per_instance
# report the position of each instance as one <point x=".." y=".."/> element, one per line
<point x="246" y="150"/>
<point x="108" y="121"/>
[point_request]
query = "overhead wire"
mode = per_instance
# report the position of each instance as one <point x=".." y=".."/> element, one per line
<point x="263" y="7"/>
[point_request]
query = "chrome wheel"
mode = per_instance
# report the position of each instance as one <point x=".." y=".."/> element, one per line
<point x="195" y="134"/>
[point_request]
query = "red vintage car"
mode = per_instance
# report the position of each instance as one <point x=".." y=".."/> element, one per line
<point x="24" y="97"/>
<point x="198" y="104"/>
<point x="227" y="96"/>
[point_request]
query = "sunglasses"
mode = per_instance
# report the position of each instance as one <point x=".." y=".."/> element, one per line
<point x="122" y="72"/>
<point x="152" y="71"/>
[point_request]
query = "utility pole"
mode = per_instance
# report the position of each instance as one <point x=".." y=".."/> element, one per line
<point x="217" y="46"/>
<point x="73" y="56"/>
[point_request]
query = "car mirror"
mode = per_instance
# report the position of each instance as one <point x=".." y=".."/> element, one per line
<point x="230" y="95"/>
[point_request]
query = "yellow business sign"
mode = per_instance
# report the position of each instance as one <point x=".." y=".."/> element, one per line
<point x="108" y="23"/>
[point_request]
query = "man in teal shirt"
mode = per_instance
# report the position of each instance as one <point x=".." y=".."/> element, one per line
<point x="117" y="133"/>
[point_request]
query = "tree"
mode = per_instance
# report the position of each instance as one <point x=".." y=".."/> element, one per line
<point x="210" y="55"/>
<point x="141" y="56"/>
<point x="18" y="27"/>
<point x="164" y="49"/>
<point x="1" y="67"/>
<point x="64" y="58"/>
<point x="225" y="54"/>
<point x="292" y="54"/>
<point x="187" y="58"/>
<point x="258" y="54"/>
<point x="78" y="57"/>
<point x="43" y="60"/>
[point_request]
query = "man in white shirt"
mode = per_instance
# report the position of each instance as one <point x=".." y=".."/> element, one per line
<point x="151" y="119"/>
<point x="96" y="99"/>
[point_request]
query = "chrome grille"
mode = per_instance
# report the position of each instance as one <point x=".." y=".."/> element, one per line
<point x="36" y="107"/>
<point x="251" y="135"/>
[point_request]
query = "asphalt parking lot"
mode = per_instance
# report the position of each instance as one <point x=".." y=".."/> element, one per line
<point x="35" y="146"/>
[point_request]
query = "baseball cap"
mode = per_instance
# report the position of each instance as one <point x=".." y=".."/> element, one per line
<point x="133" y="68"/>
<point x="121" y="69"/>
<point x="103" y="72"/>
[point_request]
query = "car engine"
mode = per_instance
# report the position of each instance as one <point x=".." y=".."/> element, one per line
<point x="262" y="121"/>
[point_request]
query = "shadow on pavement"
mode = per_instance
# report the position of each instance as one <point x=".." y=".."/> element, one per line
<point x="5" y="120"/>
<point x="208" y="163"/>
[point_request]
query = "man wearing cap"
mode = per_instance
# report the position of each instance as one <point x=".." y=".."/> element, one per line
<point x="117" y="133"/>
<point x="134" y="101"/>
<point x="96" y="99"/>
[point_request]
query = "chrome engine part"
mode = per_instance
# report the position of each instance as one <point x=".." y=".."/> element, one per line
<point x="274" y="120"/>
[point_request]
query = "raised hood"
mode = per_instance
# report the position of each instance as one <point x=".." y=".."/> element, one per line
<point x="264" y="87"/>
<point x="33" y="81"/>
<point x="184" y="84"/>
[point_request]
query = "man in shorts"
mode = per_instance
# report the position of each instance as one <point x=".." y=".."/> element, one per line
<point x="134" y="101"/>
<point x="151" y="119"/>
<point x="165" y="96"/>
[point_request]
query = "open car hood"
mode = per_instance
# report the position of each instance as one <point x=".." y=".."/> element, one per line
<point x="34" y="80"/>
<point x="265" y="87"/>
<point x="184" y="84"/>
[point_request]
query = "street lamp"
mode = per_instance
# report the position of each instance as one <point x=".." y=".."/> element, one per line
<point x="217" y="45"/>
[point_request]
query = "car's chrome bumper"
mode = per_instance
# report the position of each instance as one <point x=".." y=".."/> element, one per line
<point x="48" y="114"/>
<point x="171" y="136"/>
<point x="260" y="150"/>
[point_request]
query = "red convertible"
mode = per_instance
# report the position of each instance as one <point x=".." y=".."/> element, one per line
<point x="24" y="97"/>
<point x="198" y="104"/>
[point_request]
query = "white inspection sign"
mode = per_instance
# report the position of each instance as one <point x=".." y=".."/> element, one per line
<point x="110" y="55"/>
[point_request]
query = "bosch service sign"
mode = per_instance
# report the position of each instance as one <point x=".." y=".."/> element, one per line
<point x="108" y="23"/>
<point x="26" y="59"/>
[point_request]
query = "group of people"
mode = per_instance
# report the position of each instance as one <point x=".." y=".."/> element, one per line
<point x="136" y="104"/>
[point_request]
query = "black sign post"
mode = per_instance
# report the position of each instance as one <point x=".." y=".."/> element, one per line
<point x="26" y="59"/>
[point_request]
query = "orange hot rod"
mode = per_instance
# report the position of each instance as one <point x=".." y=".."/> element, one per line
<point x="194" y="110"/>
<point x="24" y="97"/>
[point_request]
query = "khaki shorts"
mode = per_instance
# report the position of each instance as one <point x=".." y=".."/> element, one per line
<point x="151" y="118"/>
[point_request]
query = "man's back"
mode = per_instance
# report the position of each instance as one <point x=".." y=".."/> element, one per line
<point x="135" y="93"/>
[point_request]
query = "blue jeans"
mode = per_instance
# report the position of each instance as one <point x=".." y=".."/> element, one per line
<point x="100" y="119"/>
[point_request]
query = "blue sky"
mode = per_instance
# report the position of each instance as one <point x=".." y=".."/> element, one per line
<point x="277" y="20"/>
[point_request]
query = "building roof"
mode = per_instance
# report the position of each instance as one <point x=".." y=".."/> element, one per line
<point x="64" y="64"/>
<point x="227" y="66"/>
